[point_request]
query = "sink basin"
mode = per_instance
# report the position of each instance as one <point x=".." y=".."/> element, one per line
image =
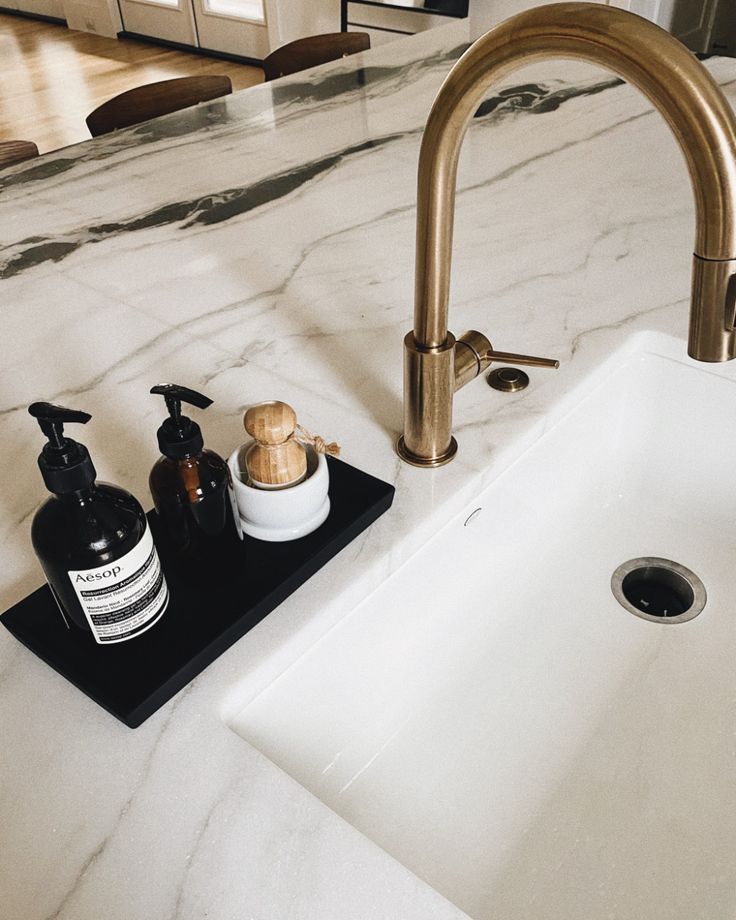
<point x="496" y="720"/>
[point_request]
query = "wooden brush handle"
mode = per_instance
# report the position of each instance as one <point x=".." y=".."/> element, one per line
<point x="276" y="459"/>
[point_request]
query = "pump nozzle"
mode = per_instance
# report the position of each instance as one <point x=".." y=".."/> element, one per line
<point x="179" y="436"/>
<point x="51" y="419"/>
<point x="175" y="395"/>
<point x="64" y="464"/>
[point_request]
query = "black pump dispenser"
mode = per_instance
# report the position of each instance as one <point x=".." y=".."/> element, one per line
<point x="93" y="541"/>
<point x="179" y="436"/>
<point x="65" y="464"/>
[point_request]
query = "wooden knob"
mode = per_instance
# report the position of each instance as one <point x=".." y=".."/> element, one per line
<point x="276" y="460"/>
<point x="270" y="422"/>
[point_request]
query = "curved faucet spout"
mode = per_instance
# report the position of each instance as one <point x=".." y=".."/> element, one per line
<point x="681" y="90"/>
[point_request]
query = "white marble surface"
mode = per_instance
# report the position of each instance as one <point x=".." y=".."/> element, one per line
<point x="262" y="248"/>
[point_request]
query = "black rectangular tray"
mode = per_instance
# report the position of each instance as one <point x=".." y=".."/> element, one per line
<point x="208" y="609"/>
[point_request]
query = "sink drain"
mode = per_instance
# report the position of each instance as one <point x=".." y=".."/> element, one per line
<point x="658" y="589"/>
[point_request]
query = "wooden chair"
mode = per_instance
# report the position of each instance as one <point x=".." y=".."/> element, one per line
<point x="154" y="99"/>
<point x="316" y="49"/>
<point x="16" y="151"/>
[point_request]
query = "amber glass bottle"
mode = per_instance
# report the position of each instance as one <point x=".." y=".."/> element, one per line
<point x="191" y="486"/>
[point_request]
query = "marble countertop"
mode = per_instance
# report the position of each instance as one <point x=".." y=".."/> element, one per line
<point x="262" y="247"/>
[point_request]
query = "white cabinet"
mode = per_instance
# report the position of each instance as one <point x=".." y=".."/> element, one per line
<point x="234" y="26"/>
<point x="292" y="19"/>
<point x="231" y="26"/>
<point x="171" y="20"/>
<point x="99" y="16"/>
<point x="52" y="8"/>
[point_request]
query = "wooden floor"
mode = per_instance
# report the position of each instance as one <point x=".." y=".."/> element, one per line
<point x="52" y="77"/>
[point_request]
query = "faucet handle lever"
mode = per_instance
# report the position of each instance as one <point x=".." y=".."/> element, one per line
<point x="509" y="358"/>
<point x="474" y="352"/>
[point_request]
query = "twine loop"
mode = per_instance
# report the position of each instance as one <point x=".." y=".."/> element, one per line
<point x="332" y="448"/>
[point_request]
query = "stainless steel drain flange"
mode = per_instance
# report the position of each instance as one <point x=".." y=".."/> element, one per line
<point x="658" y="589"/>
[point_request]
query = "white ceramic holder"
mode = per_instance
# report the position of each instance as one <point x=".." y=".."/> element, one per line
<point x="277" y="515"/>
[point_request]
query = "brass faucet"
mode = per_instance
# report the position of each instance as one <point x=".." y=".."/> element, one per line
<point x="435" y="364"/>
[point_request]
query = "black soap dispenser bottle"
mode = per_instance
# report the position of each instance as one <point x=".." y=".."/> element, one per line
<point x="93" y="540"/>
<point x="191" y="486"/>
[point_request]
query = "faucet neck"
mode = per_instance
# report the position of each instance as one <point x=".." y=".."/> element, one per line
<point x="643" y="54"/>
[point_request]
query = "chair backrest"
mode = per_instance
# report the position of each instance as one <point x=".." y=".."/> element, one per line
<point x="313" y="50"/>
<point x="16" y="151"/>
<point x="154" y="99"/>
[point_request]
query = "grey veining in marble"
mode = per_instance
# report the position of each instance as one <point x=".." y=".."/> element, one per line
<point x="262" y="247"/>
<point x="224" y="204"/>
<point x="211" y="209"/>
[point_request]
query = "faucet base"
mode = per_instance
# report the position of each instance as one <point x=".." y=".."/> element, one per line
<point x="425" y="462"/>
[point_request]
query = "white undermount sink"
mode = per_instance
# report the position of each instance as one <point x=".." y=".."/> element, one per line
<point x="499" y="723"/>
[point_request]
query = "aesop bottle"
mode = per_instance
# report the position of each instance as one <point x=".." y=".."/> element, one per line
<point x="93" y="540"/>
